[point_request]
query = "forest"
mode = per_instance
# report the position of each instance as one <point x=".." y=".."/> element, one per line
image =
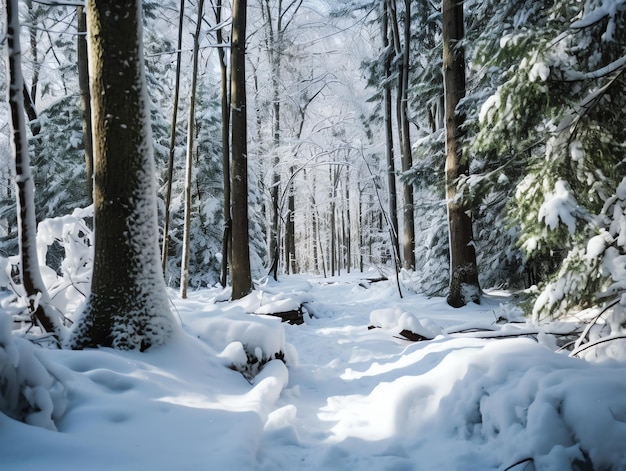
<point x="439" y="187"/>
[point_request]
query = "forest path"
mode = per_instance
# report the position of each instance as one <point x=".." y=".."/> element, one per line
<point x="341" y="363"/>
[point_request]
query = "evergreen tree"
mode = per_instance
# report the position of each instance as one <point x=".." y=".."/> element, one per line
<point x="556" y="116"/>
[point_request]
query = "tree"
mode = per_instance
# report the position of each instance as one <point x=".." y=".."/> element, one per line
<point x="556" y="116"/>
<point x="277" y="17"/>
<point x="402" y="50"/>
<point x="38" y="301"/>
<point x="85" y="97"/>
<point x="226" y="239"/>
<point x="463" y="269"/>
<point x="191" y="131"/>
<point x="391" y="167"/>
<point x="172" y="148"/>
<point x="127" y="307"/>
<point x="240" y="269"/>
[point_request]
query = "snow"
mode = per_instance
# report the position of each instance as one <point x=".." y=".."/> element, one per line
<point x="345" y="397"/>
<point x="559" y="205"/>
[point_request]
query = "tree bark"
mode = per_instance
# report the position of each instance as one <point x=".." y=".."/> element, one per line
<point x="240" y="265"/>
<point x="172" y="149"/>
<point x="226" y="241"/>
<point x="464" y="285"/>
<point x="38" y="300"/>
<point x="408" y="227"/>
<point x="391" y="166"/>
<point x="191" y="131"/>
<point x="128" y="307"/>
<point x="85" y="98"/>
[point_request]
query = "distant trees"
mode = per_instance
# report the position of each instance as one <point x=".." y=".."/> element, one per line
<point x="530" y="131"/>
<point x="127" y="307"/>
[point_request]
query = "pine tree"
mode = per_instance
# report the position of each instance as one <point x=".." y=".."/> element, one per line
<point x="555" y="115"/>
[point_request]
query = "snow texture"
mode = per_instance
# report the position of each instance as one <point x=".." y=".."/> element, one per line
<point x="353" y="398"/>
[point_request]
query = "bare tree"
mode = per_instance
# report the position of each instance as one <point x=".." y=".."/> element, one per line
<point x="172" y="149"/>
<point x="191" y="130"/>
<point x="464" y="285"/>
<point x="38" y="300"/>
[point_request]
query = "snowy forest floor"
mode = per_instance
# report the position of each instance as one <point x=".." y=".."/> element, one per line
<point x="346" y="397"/>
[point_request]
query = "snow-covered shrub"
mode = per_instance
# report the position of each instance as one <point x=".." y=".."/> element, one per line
<point x="68" y="278"/>
<point x="29" y="392"/>
<point x="248" y="342"/>
<point x="65" y="252"/>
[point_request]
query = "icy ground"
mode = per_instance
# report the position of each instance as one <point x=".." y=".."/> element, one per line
<point x="348" y="397"/>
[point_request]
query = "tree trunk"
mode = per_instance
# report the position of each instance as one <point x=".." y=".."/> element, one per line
<point x="172" y="149"/>
<point x="408" y="228"/>
<point x="38" y="300"/>
<point x="128" y="307"/>
<point x="226" y="242"/>
<point x="191" y="131"/>
<point x="391" y="167"/>
<point x="85" y="98"/>
<point x="290" y="227"/>
<point x="240" y="269"/>
<point x="463" y="269"/>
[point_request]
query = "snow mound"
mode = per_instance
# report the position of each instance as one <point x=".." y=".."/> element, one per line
<point x="29" y="392"/>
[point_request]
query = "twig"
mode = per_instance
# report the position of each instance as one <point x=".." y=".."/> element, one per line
<point x="525" y="460"/>
<point x="596" y="343"/>
<point x="582" y="337"/>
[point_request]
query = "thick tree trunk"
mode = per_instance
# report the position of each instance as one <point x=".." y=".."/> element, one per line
<point x="240" y="266"/>
<point x="463" y="269"/>
<point x="85" y="98"/>
<point x="128" y="307"/>
<point x="191" y="131"/>
<point x="172" y="149"/>
<point x="37" y="296"/>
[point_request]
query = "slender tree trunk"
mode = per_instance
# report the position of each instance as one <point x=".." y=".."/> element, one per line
<point x="463" y="269"/>
<point x="408" y="228"/>
<point x="85" y="98"/>
<point x="240" y="269"/>
<point x="37" y="296"/>
<point x="290" y="229"/>
<point x="191" y="131"/>
<point x="348" y="224"/>
<point x="127" y="307"/>
<point x="391" y="42"/>
<point x="172" y="150"/>
<point x="225" y="143"/>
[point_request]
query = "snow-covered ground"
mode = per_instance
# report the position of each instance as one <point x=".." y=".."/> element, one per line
<point x="346" y="398"/>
